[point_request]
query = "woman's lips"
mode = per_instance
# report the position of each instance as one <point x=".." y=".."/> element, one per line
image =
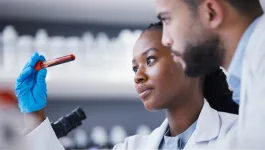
<point x="145" y="93"/>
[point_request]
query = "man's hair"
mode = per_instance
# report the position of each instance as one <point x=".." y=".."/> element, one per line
<point x="250" y="8"/>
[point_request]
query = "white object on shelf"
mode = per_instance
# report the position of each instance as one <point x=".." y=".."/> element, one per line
<point x="99" y="135"/>
<point x="137" y="33"/>
<point x="24" y="49"/>
<point x="9" y="35"/>
<point x="143" y="130"/>
<point x="117" y="135"/>
<point x="102" y="67"/>
<point x="125" y="35"/>
<point x="87" y="48"/>
<point x="56" y="46"/>
<point x="9" y="47"/>
<point x="41" y="41"/>
<point x="88" y="40"/>
<point x="73" y="46"/>
<point x="80" y="138"/>
<point x="67" y="142"/>
<point x="102" y="41"/>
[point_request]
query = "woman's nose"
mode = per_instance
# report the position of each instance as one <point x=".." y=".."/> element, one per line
<point x="140" y="76"/>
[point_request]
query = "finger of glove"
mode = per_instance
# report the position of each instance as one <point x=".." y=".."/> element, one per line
<point x="40" y="96"/>
<point x="42" y="58"/>
<point x="25" y="74"/>
<point x="33" y="57"/>
<point x="41" y="76"/>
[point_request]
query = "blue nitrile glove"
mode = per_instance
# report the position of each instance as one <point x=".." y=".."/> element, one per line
<point x="31" y="90"/>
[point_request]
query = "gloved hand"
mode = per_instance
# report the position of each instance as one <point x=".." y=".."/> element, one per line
<point x="31" y="90"/>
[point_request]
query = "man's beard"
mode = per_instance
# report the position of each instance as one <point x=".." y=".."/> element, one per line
<point x="203" y="57"/>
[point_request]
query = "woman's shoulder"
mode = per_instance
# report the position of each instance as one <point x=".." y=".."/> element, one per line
<point x="227" y="121"/>
<point x="144" y="141"/>
<point x="229" y="116"/>
<point x="132" y="142"/>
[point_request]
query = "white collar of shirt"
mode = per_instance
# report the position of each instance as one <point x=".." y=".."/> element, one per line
<point x="235" y="68"/>
<point x="184" y="137"/>
<point x="204" y="131"/>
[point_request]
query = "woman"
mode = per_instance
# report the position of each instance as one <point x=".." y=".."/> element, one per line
<point x="161" y="85"/>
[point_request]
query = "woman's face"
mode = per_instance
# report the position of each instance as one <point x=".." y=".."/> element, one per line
<point x="159" y="80"/>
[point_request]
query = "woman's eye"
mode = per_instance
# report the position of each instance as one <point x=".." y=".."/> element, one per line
<point x="150" y="60"/>
<point x="135" y="69"/>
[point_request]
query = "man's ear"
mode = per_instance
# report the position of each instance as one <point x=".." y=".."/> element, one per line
<point x="211" y="13"/>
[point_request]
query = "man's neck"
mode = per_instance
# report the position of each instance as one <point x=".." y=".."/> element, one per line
<point x="231" y="37"/>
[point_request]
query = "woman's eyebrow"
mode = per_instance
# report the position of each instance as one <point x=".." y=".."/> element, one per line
<point x="145" y="52"/>
<point x="150" y="49"/>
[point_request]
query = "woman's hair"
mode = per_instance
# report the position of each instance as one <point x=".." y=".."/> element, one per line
<point x="217" y="93"/>
<point x="215" y="86"/>
<point x="158" y="25"/>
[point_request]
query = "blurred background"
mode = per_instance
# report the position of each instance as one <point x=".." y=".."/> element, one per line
<point x="101" y="34"/>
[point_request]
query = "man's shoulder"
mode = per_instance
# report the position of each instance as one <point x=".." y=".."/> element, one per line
<point x="255" y="54"/>
<point x="256" y="43"/>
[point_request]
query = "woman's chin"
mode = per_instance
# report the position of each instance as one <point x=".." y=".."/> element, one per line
<point x="149" y="106"/>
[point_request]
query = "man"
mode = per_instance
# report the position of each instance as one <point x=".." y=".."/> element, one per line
<point x="227" y="33"/>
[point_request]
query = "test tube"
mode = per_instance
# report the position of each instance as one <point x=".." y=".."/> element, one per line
<point x="54" y="62"/>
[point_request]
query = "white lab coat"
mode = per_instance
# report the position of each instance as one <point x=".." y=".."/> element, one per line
<point x="212" y="126"/>
<point x="251" y="128"/>
<point x="262" y="2"/>
<point x="250" y="132"/>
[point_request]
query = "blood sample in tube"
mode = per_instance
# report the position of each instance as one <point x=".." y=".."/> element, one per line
<point x="57" y="61"/>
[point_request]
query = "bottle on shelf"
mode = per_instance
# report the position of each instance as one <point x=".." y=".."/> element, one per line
<point x="117" y="135"/>
<point x="99" y="137"/>
<point x="81" y="138"/>
<point x="24" y="49"/>
<point x="10" y="56"/>
<point x="143" y="130"/>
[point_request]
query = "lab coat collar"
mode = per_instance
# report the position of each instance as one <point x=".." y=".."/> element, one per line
<point x="207" y="129"/>
<point x="208" y="125"/>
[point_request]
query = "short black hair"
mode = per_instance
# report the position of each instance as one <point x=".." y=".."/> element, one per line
<point x="246" y="7"/>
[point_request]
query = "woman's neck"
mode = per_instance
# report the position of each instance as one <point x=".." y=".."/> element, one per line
<point x="182" y="116"/>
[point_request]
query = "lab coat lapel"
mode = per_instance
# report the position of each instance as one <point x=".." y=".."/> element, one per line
<point x="208" y="124"/>
<point x="207" y="127"/>
<point x="156" y="136"/>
